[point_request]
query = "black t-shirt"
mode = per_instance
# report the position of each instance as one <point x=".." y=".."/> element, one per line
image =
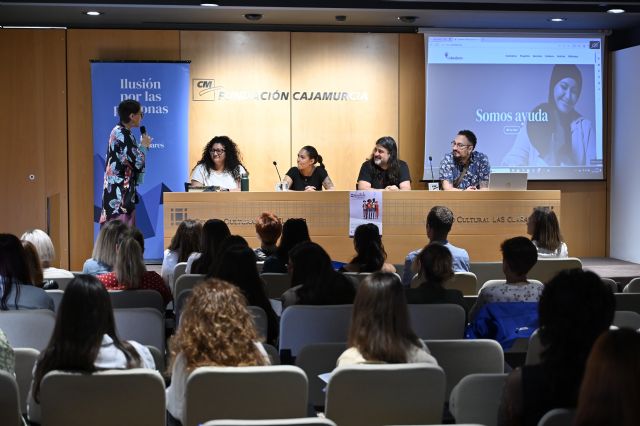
<point x="301" y="182"/>
<point x="378" y="178"/>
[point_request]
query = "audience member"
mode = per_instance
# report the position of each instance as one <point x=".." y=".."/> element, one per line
<point x="439" y="223"/>
<point x="35" y="267"/>
<point x="575" y="308"/>
<point x="436" y="268"/>
<point x="544" y="228"/>
<point x="85" y="339"/>
<point x="380" y="325"/>
<point x="610" y="390"/>
<point x="185" y="241"/>
<point x="216" y="329"/>
<point x="313" y="279"/>
<point x="47" y="254"/>
<point x="7" y="357"/>
<point x="294" y="231"/>
<point x="130" y="272"/>
<point x="214" y="231"/>
<point x="16" y="289"/>
<point x="103" y="256"/>
<point x="238" y="266"/>
<point x="268" y="230"/>
<point x="370" y="253"/>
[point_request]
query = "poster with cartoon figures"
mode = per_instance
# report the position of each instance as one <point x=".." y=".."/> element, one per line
<point x="365" y="207"/>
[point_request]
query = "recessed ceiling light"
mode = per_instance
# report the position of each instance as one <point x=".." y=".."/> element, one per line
<point x="615" y="11"/>
<point x="557" y="19"/>
<point x="209" y="4"/>
<point x="93" y="13"/>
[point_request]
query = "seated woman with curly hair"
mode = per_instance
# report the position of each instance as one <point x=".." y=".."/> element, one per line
<point x="216" y="329"/>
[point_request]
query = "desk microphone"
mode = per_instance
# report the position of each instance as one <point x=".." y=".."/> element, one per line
<point x="431" y="165"/>
<point x="277" y="171"/>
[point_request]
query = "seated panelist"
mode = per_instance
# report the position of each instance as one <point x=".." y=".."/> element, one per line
<point x="464" y="168"/>
<point x="383" y="170"/>
<point x="310" y="175"/>
<point x="220" y="165"/>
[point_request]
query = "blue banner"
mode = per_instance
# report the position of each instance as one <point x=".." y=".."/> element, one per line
<point x="163" y="90"/>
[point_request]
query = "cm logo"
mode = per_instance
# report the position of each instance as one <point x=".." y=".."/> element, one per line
<point x="204" y="89"/>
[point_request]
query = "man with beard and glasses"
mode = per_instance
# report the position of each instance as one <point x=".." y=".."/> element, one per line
<point x="465" y="169"/>
<point x="383" y="170"/>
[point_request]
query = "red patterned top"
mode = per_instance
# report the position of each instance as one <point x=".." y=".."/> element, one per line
<point x="150" y="281"/>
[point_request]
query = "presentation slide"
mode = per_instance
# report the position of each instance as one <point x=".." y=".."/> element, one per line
<point x="534" y="102"/>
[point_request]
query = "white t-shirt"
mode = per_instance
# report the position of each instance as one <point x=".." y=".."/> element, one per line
<point x="52" y="273"/>
<point x="415" y="354"/>
<point x="192" y="258"/>
<point x="222" y="179"/>
<point x="561" y="251"/>
<point x="169" y="263"/>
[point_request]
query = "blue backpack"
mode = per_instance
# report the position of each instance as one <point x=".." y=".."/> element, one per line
<point x="504" y="322"/>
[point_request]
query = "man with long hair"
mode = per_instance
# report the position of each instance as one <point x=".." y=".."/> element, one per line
<point x="383" y="170"/>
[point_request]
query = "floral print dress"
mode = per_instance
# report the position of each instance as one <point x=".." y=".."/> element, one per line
<point x="125" y="163"/>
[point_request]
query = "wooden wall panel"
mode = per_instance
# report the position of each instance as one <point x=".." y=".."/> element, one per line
<point x="344" y="132"/>
<point x="33" y="119"/>
<point x="411" y="106"/>
<point x="242" y="63"/>
<point x="82" y="46"/>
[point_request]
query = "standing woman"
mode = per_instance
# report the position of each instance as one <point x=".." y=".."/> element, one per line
<point x="125" y="164"/>
<point x="220" y="165"/>
<point x="310" y="175"/>
<point x="544" y="228"/>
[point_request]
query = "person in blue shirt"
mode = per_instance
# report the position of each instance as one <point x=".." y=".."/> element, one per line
<point x="464" y="168"/>
<point x="439" y="223"/>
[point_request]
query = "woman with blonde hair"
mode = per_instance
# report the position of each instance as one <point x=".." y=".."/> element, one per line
<point x="216" y="329"/>
<point x="46" y="252"/>
<point x="544" y="228"/>
<point x="130" y="272"/>
<point x="103" y="256"/>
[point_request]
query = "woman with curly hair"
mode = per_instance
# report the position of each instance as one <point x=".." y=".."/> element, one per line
<point x="216" y="329"/>
<point x="220" y="165"/>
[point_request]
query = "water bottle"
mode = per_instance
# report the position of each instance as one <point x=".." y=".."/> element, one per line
<point x="244" y="182"/>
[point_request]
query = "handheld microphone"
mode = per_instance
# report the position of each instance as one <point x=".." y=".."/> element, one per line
<point x="431" y="165"/>
<point x="143" y="130"/>
<point x="277" y="171"/>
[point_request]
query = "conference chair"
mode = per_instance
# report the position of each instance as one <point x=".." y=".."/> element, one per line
<point x="178" y="270"/>
<point x="272" y="351"/>
<point x="25" y="360"/>
<point x="302" y="325"/>
<point x="459" y="358"/>
<point x="534" y="350"/>
<point x="9" y="400"/>
<point x="186" y="282"/>
<point x="437" y="321"/>
<point x="383" y="394"/>
<point x="316" y="359"/>
<point x="302" y="421"/>
<point x="143" y="298"/>
<point x="486" y="271"/>
<point x="502" y="281"/>
<point x="633" y="286"/>
<point x="260" y="321"/>
<point x="158" y="358"/>
<point x="627" y="319"/>
<point x="56" y="296"/>
<point x="144" y="325"/>
<point x="63" y="282"/>
<point x="106" y="398"/>
<point x="545" y="269"/>
<point x="28" y="328"/>
<point x="265" y="392"/>
<point x="356" y="277"/>
<point x="558" y="417"/>
<point x="276" y="283"/>
<point x="612" y="284"/>
<point x="466" y="282"/>
<point x="627" y="301"/>
<point x="476" y="398"/>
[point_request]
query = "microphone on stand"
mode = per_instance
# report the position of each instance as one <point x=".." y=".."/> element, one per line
<point x="277" y="171"/>
<point x="431" y="165"/>
<point x="433" y="185"/>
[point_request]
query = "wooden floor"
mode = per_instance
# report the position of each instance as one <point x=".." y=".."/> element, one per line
<point x="620" y="270"/>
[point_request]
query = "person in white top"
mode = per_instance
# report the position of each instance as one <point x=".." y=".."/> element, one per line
<point x="544" y="228"/>
<point x="380" y="327"/>
<point x="84" y="339"/>
<point x="185" y="241"/>
<point x="47" y="253"/>
<point x="220" y="165"/>
<point x="216" y="329"/>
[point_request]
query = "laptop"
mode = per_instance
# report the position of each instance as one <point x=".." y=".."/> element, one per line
<point x="508" y="181"/>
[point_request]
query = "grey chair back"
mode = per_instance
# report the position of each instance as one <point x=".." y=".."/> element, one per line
<point x="186" y="282"/>
<point x="437" y="321"/>
<point x="178" y="270"/>
<point x="144" y="325"/>
<point x="303" y="421"/>
<point x="466" y="282"/>
<point x="627" y="319"/>
<point x="28" y="328"/>
<point x="276" y="283"/>
<point x="558" y="417"/>
<point x="316" y="359"/>
<point x="56" y="296"/>
<point x="25" y="361"/>
<point x="476" y="398"/>
<point x="545" y="269"/>
<point x="9" y="400"/>
<point x="143" y="298"/>
<point x="633" y="286"/>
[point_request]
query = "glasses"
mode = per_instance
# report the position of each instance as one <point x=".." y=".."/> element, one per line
<point x="459" y="145"/>
<point x="217" y="151"/>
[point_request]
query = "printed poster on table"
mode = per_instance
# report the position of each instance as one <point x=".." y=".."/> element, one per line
<point x="365" y="207"/>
